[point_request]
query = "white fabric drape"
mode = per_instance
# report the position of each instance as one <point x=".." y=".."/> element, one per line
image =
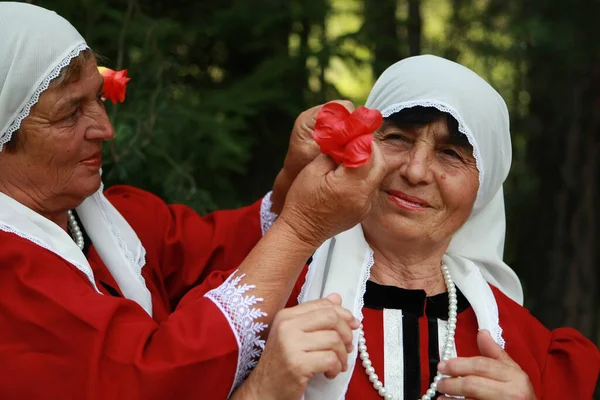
<point x="474" y="256"/>
<point x="35" y="46"/>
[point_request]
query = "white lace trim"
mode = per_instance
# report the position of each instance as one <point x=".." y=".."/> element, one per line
<point x="87" y="271"/>
<point x="26" y="109"/>
<point x="237" y="307"/>
<point x="462" y="127"/>
<point x="136" y="264"/>
<point x="497" y="335"/>
<point x="267" y="218"/>
<point x="370" y="261"/>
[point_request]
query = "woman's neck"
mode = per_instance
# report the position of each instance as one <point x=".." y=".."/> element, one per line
<point x="409" y="267"/>
<point x="31" y="201"/>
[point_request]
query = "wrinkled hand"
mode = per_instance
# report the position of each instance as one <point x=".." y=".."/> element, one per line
<point x="306" y="340"/>
<point x="326" y="199"/>
<point x="302" y="150"/>
<point x="492" y="376"/>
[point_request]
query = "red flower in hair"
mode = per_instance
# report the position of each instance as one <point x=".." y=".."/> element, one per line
<point x="115" y="84"/>
<point x="345" y="136"/>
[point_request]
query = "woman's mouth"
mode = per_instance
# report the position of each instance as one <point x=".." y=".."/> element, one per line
<point x="407" y="202"/>
<point x="94" y="161"/>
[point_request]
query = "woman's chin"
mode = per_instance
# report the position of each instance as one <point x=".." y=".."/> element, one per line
<point x="88" y="185"/>
<point x="399" y="228"/>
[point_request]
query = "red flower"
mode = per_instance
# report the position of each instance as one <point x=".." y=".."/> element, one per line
<point x="115" y="83"/>
<point x="346" y="137"/>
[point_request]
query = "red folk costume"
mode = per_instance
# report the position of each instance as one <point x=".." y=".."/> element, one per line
<point x="137" y="305"/>
<point x="405" y="333"/>
<point x="61" y="339"/>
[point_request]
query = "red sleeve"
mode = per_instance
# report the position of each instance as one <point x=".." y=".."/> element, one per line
<point x="186" y="246"/>
<point x="572" y="366"/>
<point x="61" y="340"/>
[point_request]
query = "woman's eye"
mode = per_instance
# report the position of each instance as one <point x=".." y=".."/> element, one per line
<point x="72" y="115"/>
<point x="394" y="136"/>
<point x="452" y="153"/>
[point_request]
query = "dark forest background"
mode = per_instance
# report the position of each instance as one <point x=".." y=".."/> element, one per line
<point x="216" y="86"/>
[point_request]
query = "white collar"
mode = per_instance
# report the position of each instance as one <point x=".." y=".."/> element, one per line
<point x="115" y="241"/>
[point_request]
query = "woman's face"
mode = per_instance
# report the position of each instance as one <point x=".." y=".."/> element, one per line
<point x="59" y="154"/>
<point x="431" y="186"/>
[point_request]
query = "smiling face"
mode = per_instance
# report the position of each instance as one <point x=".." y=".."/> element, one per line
<point x="57" y="157"/>
<point x="432" y="182"/>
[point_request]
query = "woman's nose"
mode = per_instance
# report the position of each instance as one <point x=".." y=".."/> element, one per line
<point x="417" y="167"/>
<point x="101" y="128"/>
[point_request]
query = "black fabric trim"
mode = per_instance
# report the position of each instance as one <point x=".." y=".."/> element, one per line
<point x="110" y="289"/>
<point x="410" y="301"/>
<point x="433" y="349"/>
<point x="412" y="356"/>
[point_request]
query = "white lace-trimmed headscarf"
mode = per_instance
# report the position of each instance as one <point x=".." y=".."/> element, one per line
<point x="483" y="118"/>
<point x="35" y="46"/>
<point x="342" y="264"/>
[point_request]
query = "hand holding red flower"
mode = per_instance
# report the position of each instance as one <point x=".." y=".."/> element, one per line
<point x="345" y="136"/>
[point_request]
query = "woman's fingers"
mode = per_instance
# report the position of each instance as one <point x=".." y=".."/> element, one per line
<point x="326" y="319"/>
<point x="332" y="301"/>
<point x="477" y="387"/>
<point x="485" y="378"/>
<point x="327" y="340"/>
<point x="478" y="366"/>
<point x="323" y="362"/>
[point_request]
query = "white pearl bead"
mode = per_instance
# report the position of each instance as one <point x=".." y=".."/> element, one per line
<point x="362" y="348"/>
<point x="75" y="230"/>
<point x="382" y="392"/>
<point x="370" y="370"/>
<point x="437" y="379"/>
<point x="361" y="340"/>
<point x="373" y="378"/>
<point x="377" y="385"/>
<point x="364" y="356"/>
<point x="388" y="396"/>
<point x="430" y="392"/>
<point x="366" y="363"/>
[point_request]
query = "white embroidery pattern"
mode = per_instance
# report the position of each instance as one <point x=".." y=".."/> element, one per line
<point x="266" y="216"/>
<point x="238" y="308"/>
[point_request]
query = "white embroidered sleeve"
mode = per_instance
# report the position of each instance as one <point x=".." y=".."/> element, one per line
<point x="266" y="216"/>
<point x="237" y="307"/>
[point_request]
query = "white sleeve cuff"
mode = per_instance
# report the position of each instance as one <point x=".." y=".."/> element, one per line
<point x="236" y="306"/>
<point x="266" y="216"/>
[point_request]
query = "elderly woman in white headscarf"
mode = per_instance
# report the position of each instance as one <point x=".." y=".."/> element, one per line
<point x="424" y="270"/>
<point x="117" y="295"/>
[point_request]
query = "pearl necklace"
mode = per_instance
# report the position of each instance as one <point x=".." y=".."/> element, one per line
<point x="75" y="230"/>
<point x="446" y="353"/>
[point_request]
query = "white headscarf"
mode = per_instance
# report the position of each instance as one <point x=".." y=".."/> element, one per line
<point x="35" y="45"/>
<point x="474" y="256"/>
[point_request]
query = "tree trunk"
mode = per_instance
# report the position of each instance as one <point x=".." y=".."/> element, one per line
<point x="414" y="27"/>
<point x="381" y="29"/>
